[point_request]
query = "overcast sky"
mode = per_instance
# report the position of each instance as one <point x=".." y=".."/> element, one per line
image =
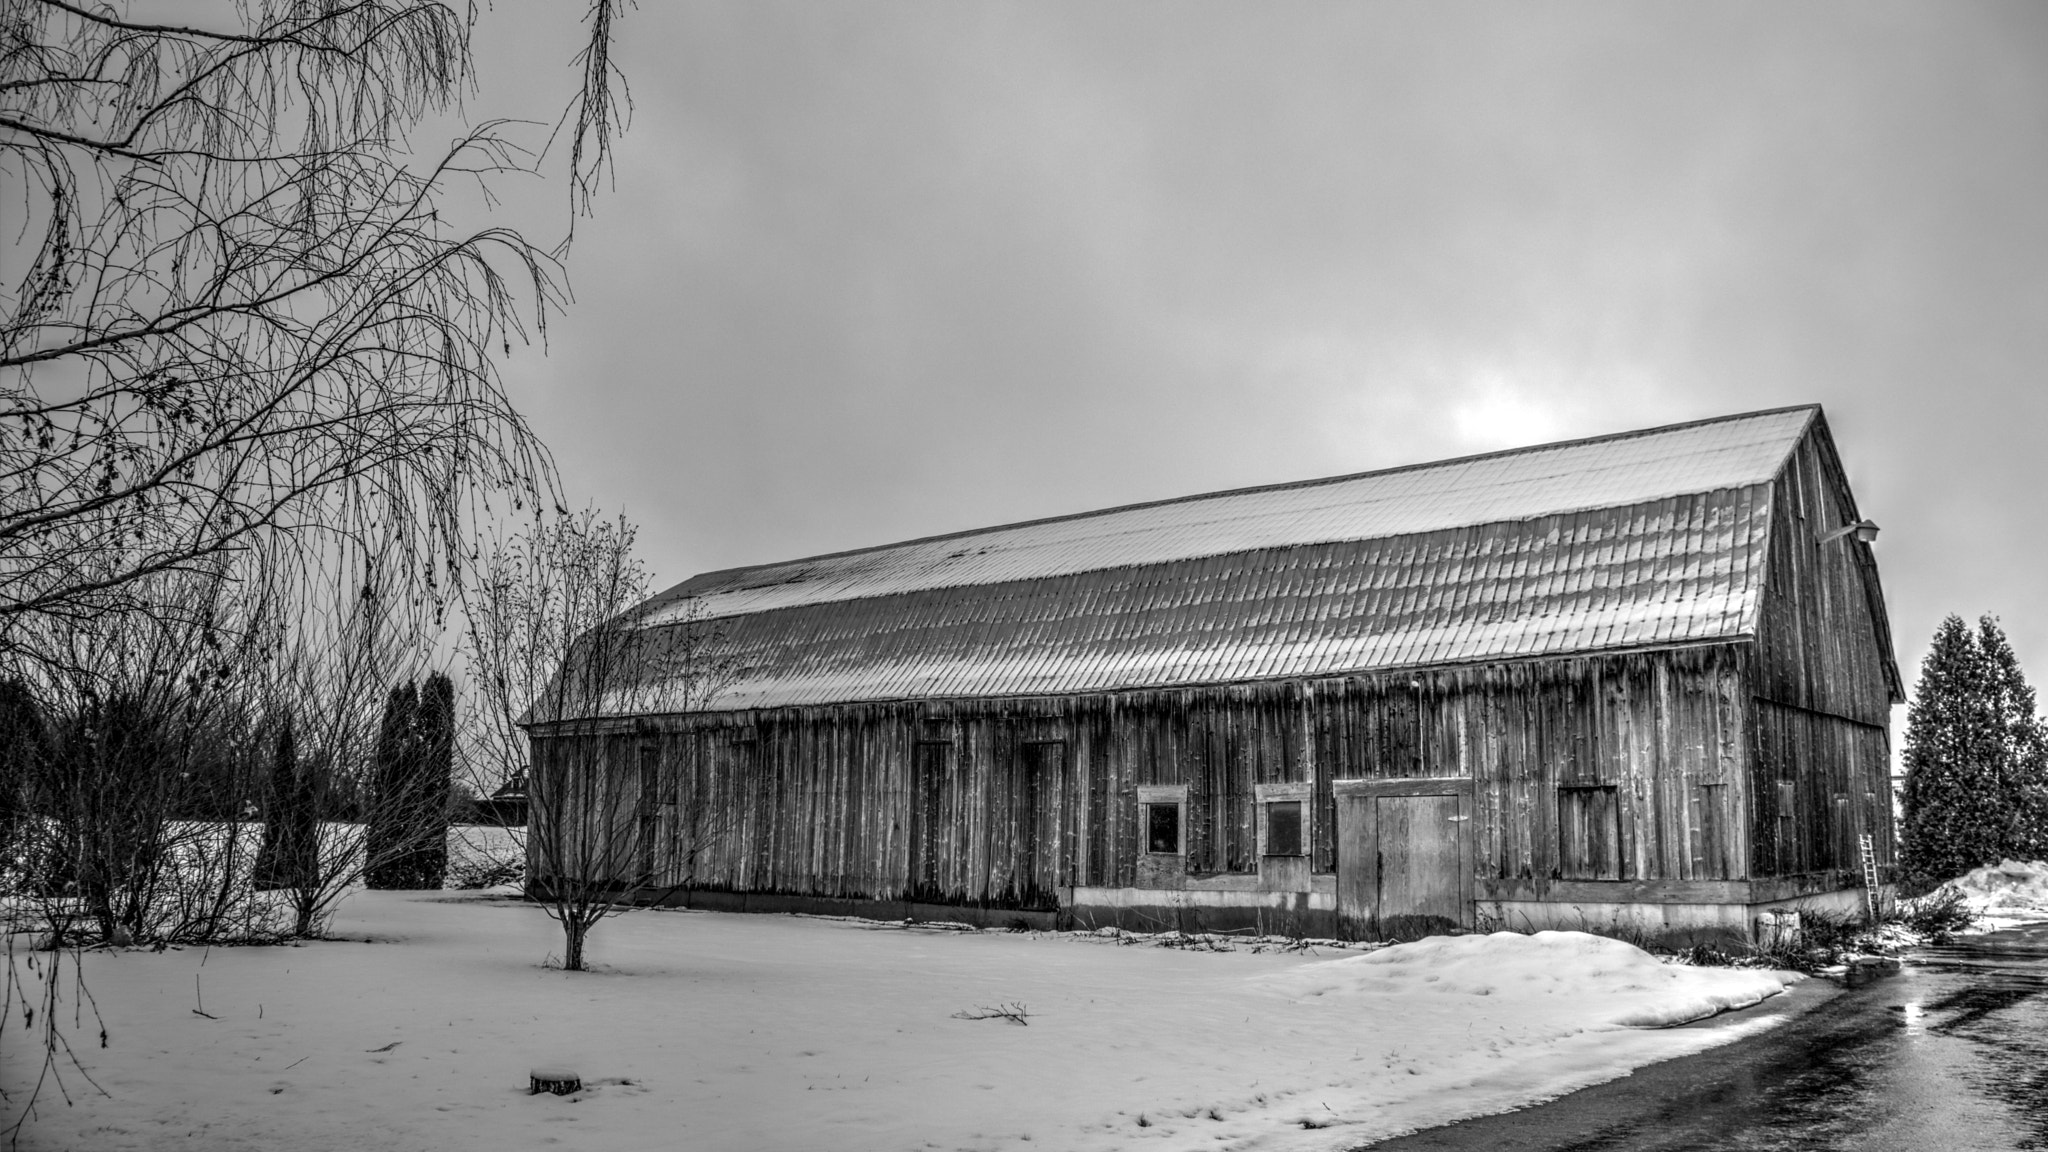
<point x="875" y="271"/>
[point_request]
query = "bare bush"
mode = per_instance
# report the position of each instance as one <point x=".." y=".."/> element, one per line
<point x="141" y="743"/>
<point x="1014" y="1013"/>
<point x="553" y="643"/>
<point x="1939" y="914"/>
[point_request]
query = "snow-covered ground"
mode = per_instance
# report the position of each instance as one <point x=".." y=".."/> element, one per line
<point x="720" y="1031"/>
<point x="2006" y="894"/>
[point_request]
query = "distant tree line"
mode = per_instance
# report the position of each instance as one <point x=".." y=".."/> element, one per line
<point x="180" y="777"/>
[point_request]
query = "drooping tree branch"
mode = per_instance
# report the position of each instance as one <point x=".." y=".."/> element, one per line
<point x="246" y="320"/>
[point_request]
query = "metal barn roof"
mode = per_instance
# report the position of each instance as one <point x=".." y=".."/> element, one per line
<point x="1645" y="538"/>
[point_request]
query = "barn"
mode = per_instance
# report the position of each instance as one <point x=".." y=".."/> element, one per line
<point x="1639" y="682"/>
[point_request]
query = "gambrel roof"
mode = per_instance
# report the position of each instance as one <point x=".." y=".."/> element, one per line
<point x="1644" y="539"/>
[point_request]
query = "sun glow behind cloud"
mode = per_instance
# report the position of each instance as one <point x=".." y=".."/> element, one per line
<point x="1503" y="414"/>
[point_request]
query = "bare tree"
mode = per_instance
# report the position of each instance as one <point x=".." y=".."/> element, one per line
<point x="241" y="313"/>
<point x="559" y="647"/>
<point x="240" y="329"/>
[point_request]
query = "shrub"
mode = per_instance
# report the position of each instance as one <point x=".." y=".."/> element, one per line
<point x="484" y="872"/>
<point x="1939" y="914"/>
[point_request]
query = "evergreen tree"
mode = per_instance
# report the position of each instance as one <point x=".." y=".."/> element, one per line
<point x="1975" y="760"/>
<point x="408" y="835"/>
<point x="434" y="783"/>
<point x="269" y="870"/>
<point x="2020" y="747"/>
<point x="289" y="856"/>
<point x="385" y="839"/>
<point x="24" y="746"/>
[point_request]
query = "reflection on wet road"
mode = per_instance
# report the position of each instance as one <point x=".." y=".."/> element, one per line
<point x="1950" y="1054"/>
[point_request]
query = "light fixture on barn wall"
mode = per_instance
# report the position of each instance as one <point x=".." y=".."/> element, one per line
<point x="1865" y="531"/>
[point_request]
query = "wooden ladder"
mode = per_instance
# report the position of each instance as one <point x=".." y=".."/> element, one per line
<point x="1869" y="874"/>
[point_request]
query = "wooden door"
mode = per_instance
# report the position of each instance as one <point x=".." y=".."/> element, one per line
<point x="1041" y="807"/>
<point x="648" y="816"/>
<point x="1404" y="861"/>
<point x="929" y="834"/>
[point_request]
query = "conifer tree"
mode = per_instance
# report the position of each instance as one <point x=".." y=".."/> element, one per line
<point x="1976" y="767"/>
<point x="2020" y="749"/>
<point x="24" y="741"/>
<point x="289" y="856"/>
<point x="434" y="781"/>
<point x="384" y="840"/>
<point x="407" y="840"/>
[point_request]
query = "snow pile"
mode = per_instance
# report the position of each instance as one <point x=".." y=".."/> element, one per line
<point x="1607" y="982"/>
<point x="2006" y="894"/>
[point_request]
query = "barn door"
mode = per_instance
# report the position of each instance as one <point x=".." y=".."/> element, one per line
<point x="647" y="816"/>
<point x="928" y="834"/>
<point x="1041" y="809"/>
<point x="1404" y="857"/>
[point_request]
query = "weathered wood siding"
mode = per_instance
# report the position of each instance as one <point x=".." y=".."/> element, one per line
<point x="590" y="785"/>
<point x="1823" y="686"/>
<point x="1004" y="802"/>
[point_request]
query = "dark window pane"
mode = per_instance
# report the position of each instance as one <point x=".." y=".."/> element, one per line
<point x="1283" y="828"/>
<point x="1162" y="828"/>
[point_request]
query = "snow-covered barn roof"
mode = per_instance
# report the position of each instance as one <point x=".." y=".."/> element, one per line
<point x="1640" y="539"/>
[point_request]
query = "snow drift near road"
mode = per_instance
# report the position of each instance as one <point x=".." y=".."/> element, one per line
<point x="1604" y="982"/>
<point x="762" y="1033"/>
<point x="2009" y="893"/>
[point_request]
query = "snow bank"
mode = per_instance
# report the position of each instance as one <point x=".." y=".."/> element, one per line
<point x="2009" y="893"/>
<point x="765" y="1033"/>
<point x="1608" y="982"/>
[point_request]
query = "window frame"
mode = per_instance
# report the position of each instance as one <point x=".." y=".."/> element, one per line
<point x="1571" y="795"/>
<point x="1160" y="795"/>
<point x="1268" y="794"/>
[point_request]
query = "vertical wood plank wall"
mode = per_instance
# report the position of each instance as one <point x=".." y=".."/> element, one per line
<point x="1823" y="704"/>
<point x="1025" y="796"/>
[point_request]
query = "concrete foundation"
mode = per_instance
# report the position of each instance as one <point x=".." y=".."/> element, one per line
<point x="1238" y="904"/>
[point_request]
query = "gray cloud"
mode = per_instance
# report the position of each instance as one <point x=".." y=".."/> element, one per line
<point x="876" y="271"/>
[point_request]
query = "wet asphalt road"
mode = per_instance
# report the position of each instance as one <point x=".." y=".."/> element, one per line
<point x="1950" y="1054"/>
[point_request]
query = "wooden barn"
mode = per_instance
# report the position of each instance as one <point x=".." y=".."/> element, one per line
<point x="1639" y="681"/>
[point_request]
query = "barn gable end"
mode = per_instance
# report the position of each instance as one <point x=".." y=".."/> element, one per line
<point x="1826" y="680"/>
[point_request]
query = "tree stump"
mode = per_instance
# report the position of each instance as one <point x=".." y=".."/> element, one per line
<point x="560" y="1081"/>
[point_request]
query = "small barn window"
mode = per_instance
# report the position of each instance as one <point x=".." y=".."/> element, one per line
<point x="1284" y="817"/>
<point x="1588" y="833"/>
<point x="1283" y="828"/>
<point x="1162" y="818"/>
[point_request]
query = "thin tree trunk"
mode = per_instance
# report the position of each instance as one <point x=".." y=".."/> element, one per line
<point x="573" y="931"/>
